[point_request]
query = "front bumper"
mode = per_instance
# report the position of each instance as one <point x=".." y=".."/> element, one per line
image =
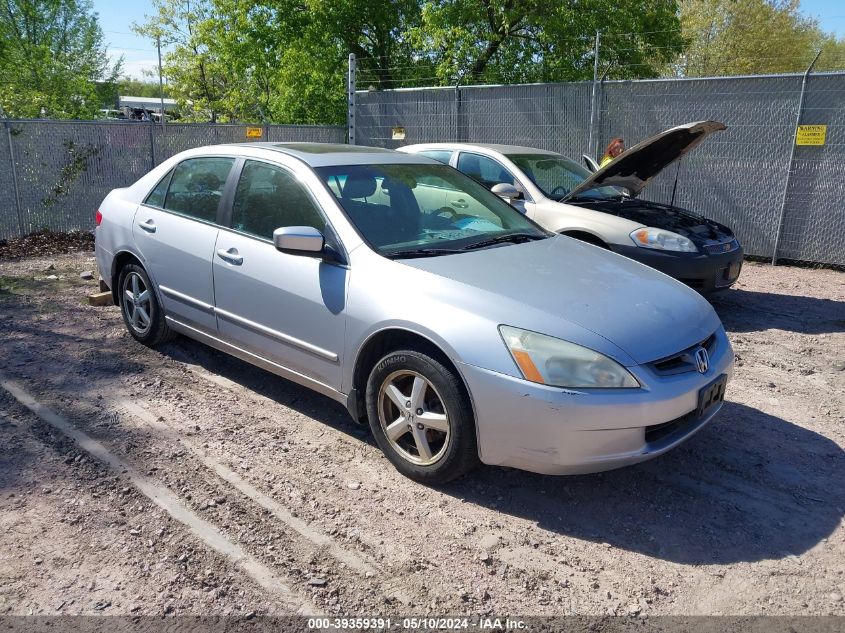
<point x="701" y="271"/>
<point x="560" y="432"/>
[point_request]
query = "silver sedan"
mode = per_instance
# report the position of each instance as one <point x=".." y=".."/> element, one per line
<point x="460" y="334"/>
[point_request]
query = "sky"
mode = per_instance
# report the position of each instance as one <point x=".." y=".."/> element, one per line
<point x="116" y="17"/>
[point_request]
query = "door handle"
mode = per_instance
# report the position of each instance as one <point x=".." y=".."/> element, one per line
<point x="148" y="225"/>
<point x="460" y="203"/>
<point x="230" y="255"/>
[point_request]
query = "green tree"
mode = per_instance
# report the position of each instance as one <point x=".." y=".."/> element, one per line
<point x="532" y="40"/>
<point x="53" y="59"/>
<point x="197" y="77"/>
<point x="139" y="88"/>
<point x="736" y="37"/>
<point x="284" y="60"/>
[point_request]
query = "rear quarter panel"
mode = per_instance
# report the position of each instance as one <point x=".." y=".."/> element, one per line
<point x="114" y="235"/>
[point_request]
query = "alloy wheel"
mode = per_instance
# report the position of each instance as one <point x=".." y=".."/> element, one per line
<point x="413" y="417"/>
<point x="136" y="303"/>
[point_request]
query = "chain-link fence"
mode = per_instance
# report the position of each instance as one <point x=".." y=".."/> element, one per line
<point x="738" y="176"/>
<point x="53" y="174"/>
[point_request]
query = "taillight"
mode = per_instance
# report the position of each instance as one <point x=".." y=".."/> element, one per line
<point x="98" y="217"/>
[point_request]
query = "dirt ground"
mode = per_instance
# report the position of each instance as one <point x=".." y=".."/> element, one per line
<point x="198" y="484"/>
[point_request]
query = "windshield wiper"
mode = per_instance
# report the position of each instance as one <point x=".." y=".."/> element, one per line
<point x="516" y="238"/>
<point x="421" y="252"/>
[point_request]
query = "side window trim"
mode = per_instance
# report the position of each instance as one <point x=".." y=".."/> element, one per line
<point x="227" y="200"/>
<point x="164" y="178"/>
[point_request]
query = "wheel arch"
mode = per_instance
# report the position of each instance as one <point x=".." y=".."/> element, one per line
<point x="382" y="342"/>
<point x="119" y="262"/>
<point x="585" y="236"/>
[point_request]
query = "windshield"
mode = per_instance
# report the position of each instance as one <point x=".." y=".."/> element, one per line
<point x="416" y="210"/>
<point x="556" y="176"/>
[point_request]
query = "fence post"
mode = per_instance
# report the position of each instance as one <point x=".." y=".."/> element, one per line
<point x="593" y="96"/>
<point x="350" y="100"/>
<point x="152" y="145"/>
<point x="458" y="112"/>
<point x="15" y="178"/>
<point x="791" y="159"/>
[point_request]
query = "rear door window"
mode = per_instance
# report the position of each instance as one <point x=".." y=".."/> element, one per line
<point x="196" y="187"/>
<point x="483" y="169"/>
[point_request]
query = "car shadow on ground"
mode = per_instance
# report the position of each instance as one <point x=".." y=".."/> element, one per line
<point x="750" y="486"/>
<point x="284" y="392"/>
<point x="751" y="311"/>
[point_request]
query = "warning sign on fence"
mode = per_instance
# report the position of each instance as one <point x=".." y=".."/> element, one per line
<point x="811" y="135"/>
<point x="254" y="132"/>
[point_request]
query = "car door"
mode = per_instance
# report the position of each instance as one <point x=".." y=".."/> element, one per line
<point x="286" y="308"/>
<point x="175" y="230"/>
<point x="488" y="172"/>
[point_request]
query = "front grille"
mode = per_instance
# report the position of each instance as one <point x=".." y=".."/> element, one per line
<point x="724" y="247"/>
<point x="683" y="361"/>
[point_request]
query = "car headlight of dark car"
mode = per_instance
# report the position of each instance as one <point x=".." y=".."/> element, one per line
<point x="662" y="240"/>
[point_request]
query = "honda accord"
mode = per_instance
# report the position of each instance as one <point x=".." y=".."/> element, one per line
<point x="461" y="335"/>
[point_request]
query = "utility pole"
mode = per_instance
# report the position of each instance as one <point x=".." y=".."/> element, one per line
<point x="593" y="97"/>
<point x="160" y="80"/>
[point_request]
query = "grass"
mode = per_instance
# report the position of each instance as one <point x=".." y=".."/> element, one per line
<point x="17" y="286"/>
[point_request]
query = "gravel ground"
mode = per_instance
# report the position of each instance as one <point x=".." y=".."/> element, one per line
<point x="744" y="519"/>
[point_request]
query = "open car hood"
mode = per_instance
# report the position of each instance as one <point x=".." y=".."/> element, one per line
<point x="634" y="168"/>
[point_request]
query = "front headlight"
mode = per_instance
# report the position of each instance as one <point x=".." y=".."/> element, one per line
<point x="662" y="240"/>
<point x="558" y="363"/>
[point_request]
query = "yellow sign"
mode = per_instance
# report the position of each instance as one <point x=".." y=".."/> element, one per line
<point x="254" y="132"/>
<point x="811" y="135"/>
<point x="398" y="134"/>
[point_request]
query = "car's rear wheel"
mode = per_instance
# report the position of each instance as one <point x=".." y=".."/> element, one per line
<point x="421" y="417"/>
<point x="141" y="310"/>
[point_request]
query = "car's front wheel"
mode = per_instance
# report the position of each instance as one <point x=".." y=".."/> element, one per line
<point x="141" y="310"/>
<point x="421" y="417"/>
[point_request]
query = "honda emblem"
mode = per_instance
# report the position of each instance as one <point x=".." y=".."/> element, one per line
<point x="702" y="360"/>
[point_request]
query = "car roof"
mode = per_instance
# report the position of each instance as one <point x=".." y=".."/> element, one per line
<point x="496" y="147"/>
<point x="325" y="154"/>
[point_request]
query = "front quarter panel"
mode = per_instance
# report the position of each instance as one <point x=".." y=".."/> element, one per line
<point x="385" y="294"/>
<point x="561" y="217"/>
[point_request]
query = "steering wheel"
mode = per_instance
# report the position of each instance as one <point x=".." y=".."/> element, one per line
<point x="446" y="212"/>
<point x="563" y="191"/>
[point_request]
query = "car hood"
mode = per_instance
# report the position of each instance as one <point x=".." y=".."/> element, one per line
<point x="637" y="313"/>
<point x="635" y="168"/>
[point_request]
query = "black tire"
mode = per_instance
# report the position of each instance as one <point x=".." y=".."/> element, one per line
<point x="154" y="331"/>
<point x="457" y="450"/>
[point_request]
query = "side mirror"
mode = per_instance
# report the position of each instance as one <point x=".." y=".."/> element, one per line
<point x="298" y="240"/>
<point x="591" y="164"/>
<point x="506" y="192"/>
